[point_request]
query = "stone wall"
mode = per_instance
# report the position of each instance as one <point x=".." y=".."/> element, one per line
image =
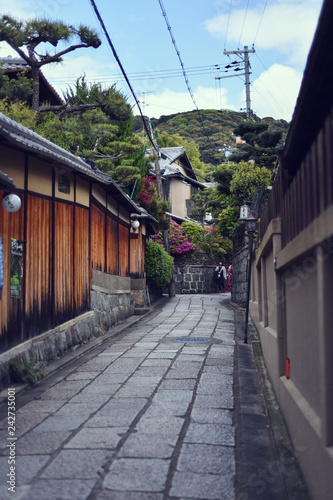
<point x="113" y="299"/>
<point x="49" y="346"/>
<point x="194" y="279"/>
<point x="239" y="276"/>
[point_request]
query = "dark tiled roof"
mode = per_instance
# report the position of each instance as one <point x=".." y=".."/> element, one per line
<point x="13" y="65"/>
<point x="26" y="139"/>
<point x="6" y="182"/>
<point x="315" y="99"/>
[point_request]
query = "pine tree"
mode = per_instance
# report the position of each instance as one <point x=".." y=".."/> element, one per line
<point x="25" y="38"/>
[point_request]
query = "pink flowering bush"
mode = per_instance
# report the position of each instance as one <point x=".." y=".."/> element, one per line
<point x="178" y="242"/>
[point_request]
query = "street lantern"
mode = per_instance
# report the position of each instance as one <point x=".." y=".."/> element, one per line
<point x="244" y="212"/>
<point x="11" y="202"/>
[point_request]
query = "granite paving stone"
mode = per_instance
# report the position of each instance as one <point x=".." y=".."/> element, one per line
<point x="214" y="401"/>
<point x="149" y="445"/>
<point x="164" y="424"/>
<point x="128" y="495"/>
<point x="77" y="464"/>
<point x="141" y="417"/>
<point x="137" y="474"/>
<point x="210" y="434"/>
<point x="211" y="415"/>
<point x="101" y="438"/>
<point x="41" y="444"/>
<point x="205" y="458"/>
<point x="60" y="423"/>
<point x="202" y="486"/>
<point x="64" y="489"/>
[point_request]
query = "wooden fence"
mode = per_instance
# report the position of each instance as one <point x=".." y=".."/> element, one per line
<point x="300" y="200"/>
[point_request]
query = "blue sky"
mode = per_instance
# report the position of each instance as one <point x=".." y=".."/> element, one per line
<point x="281" y="31"/>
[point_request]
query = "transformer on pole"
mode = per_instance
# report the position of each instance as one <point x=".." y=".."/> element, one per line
<point x="247" y="67"/>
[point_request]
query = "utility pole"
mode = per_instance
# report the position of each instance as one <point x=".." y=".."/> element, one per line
<point x="247" y="67"/>
<point x="165" y="232"/>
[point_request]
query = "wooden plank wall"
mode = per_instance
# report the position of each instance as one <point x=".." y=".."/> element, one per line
<point x="109" y="243"/>
<point x="56" y="274"/>
<point x="11" y="226"/>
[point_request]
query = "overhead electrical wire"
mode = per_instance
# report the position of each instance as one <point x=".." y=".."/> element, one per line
<point x="122" y="69"/>
<point x="183" y="68"/>
<point x="241" y="33"/>
<point x="226" y="32"/>
<point x="262" y="15"/>
<point x="162" y="74"/>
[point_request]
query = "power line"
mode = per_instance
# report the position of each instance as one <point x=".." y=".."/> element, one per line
<point x="226" y="33"/>
<point x="183" y="68"/>
<point x="240" y="36"/>
<point x="262" y="15"/>
<point x="121" y="68"/>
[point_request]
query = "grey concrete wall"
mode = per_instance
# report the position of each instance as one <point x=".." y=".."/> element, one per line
<point x="292" y="312"/>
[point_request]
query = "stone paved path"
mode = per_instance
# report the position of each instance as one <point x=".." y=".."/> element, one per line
<point x="141" y="417"/>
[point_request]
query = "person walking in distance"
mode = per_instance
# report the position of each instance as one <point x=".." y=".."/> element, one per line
<point x="220" y="275"/>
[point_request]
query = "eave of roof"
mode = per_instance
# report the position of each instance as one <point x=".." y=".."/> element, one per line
<point x="6" y="182"/>
<point x="16" y="134"/>
<point x="14" y="65"/>
<point x="315" y="99"/>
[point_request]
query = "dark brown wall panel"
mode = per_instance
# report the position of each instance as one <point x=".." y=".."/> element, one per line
<point x="97" y="239"/>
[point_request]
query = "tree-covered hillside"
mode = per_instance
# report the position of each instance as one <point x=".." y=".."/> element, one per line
<point x="212" y="130"/>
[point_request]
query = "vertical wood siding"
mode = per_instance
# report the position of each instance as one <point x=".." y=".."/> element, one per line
<point x="38" y="266"/>
<point x="97" y="239"/>
<point x="63" y="261"/>
<point x="124" y="253"/>
<point x="82" y="266"/>
<point x="62" y="243"/>
<point x="112" y="252"/>
<point x="56" y="274"/>
<point x="11" y="226"/>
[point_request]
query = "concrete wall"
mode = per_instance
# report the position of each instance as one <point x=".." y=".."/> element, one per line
<point x="291" y="307"/>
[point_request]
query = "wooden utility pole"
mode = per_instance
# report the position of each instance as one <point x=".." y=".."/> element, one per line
<point x="165" y="232"/>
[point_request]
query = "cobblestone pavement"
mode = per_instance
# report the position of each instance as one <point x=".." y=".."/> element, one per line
<point x="148" y="414"/>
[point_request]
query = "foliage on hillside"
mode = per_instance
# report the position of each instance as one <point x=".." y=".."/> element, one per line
<point x="214" y="135"/>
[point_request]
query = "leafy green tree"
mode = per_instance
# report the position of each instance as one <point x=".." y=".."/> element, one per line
<point x="261" y="143"/>
<point x="248" y="180"/>
<point x="25" y="38"/>
<point x="15" y="89"/>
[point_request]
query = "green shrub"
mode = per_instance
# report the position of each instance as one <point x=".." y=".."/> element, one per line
<point x="158" y="265"/>
<point x="193" y="232"/>
<point x="24" y="372"/>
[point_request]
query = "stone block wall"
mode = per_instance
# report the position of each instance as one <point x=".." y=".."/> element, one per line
<point x="49" y="346"/>
<point x="113" y="299"/>
<point x="194" y="279"/>
<point x="239" y="276"/>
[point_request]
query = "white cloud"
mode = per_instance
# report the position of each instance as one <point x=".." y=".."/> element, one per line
<point x="168" y="101"/>
<point x="286" y="27"/>
<point x="275" y="92"/>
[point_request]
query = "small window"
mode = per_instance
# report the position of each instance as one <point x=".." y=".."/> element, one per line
<point x="64" y="184"/>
